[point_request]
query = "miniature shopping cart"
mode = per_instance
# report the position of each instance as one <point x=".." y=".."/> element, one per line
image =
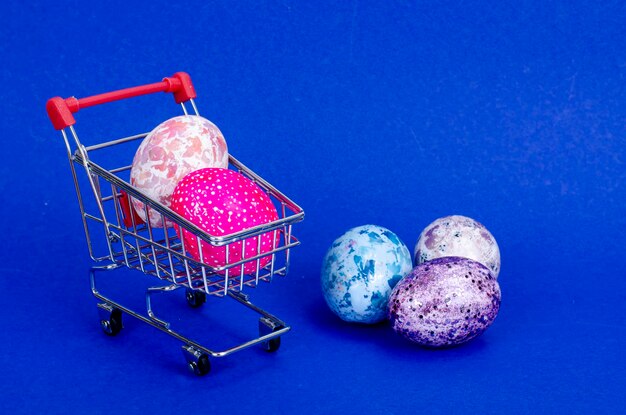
<point x="129" y="241"/>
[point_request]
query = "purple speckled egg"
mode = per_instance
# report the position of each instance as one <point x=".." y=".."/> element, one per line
<point x="444" y="302"/>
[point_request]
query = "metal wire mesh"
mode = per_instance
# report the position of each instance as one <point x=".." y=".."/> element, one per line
<point x="159" y="251"/>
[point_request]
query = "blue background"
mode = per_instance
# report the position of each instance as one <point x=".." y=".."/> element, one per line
<point x="393" y="113"/>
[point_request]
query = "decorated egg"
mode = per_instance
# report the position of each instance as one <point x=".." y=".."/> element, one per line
<point x="458" y="236"/>
<point x="444" y="302"/>
<point x="174" y="148"/>
<point x="359" y="271"/>
<point x="222" y="202"/>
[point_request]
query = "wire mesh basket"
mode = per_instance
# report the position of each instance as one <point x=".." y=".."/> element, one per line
<point x="130" y="241"/>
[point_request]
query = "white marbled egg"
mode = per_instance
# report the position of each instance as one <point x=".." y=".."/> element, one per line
<point x="173" y="149"/>
<point x="458" y="236"/>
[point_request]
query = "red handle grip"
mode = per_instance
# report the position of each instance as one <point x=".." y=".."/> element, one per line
<point x="60" y="110"/>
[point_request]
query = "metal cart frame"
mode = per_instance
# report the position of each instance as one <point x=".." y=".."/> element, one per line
<point x="134" y="243"/>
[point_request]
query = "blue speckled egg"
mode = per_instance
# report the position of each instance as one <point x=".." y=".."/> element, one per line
<point x="359" y="271"/>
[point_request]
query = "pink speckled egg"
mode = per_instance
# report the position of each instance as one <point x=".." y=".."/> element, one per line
<point x="222" y="202"/>
<point x="173" y="149"/>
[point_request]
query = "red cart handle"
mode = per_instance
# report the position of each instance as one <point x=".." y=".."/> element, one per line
<point x="60" y="110"/>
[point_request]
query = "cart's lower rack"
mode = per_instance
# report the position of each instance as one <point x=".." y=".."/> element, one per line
<point x="196" y="355"/>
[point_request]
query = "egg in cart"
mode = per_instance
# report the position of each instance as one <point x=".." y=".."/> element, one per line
<point x="136" y="241"/>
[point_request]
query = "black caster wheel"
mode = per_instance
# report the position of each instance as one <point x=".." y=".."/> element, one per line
<point x="112" y="325"/>
<point x="195" y="298"/>
<point x="272" y="345"/>
<point x="267" y="326"/>
<point x="202" y="366"/>
<point x="197" y="361"/>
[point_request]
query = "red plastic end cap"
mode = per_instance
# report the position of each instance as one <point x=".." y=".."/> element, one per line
<point x="128" y="212"/>
<point x="59" y="113"/>
<point x="186" y="91"/>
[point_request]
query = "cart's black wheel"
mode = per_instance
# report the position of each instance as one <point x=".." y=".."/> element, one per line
<point x="195" y="298"/>
<point x="202" y="366"/>
<point x="113" y="325"/>
<point x="273" y="344"/>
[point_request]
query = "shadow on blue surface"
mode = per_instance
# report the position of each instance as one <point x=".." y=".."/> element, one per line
<point x="381" y="336"/>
